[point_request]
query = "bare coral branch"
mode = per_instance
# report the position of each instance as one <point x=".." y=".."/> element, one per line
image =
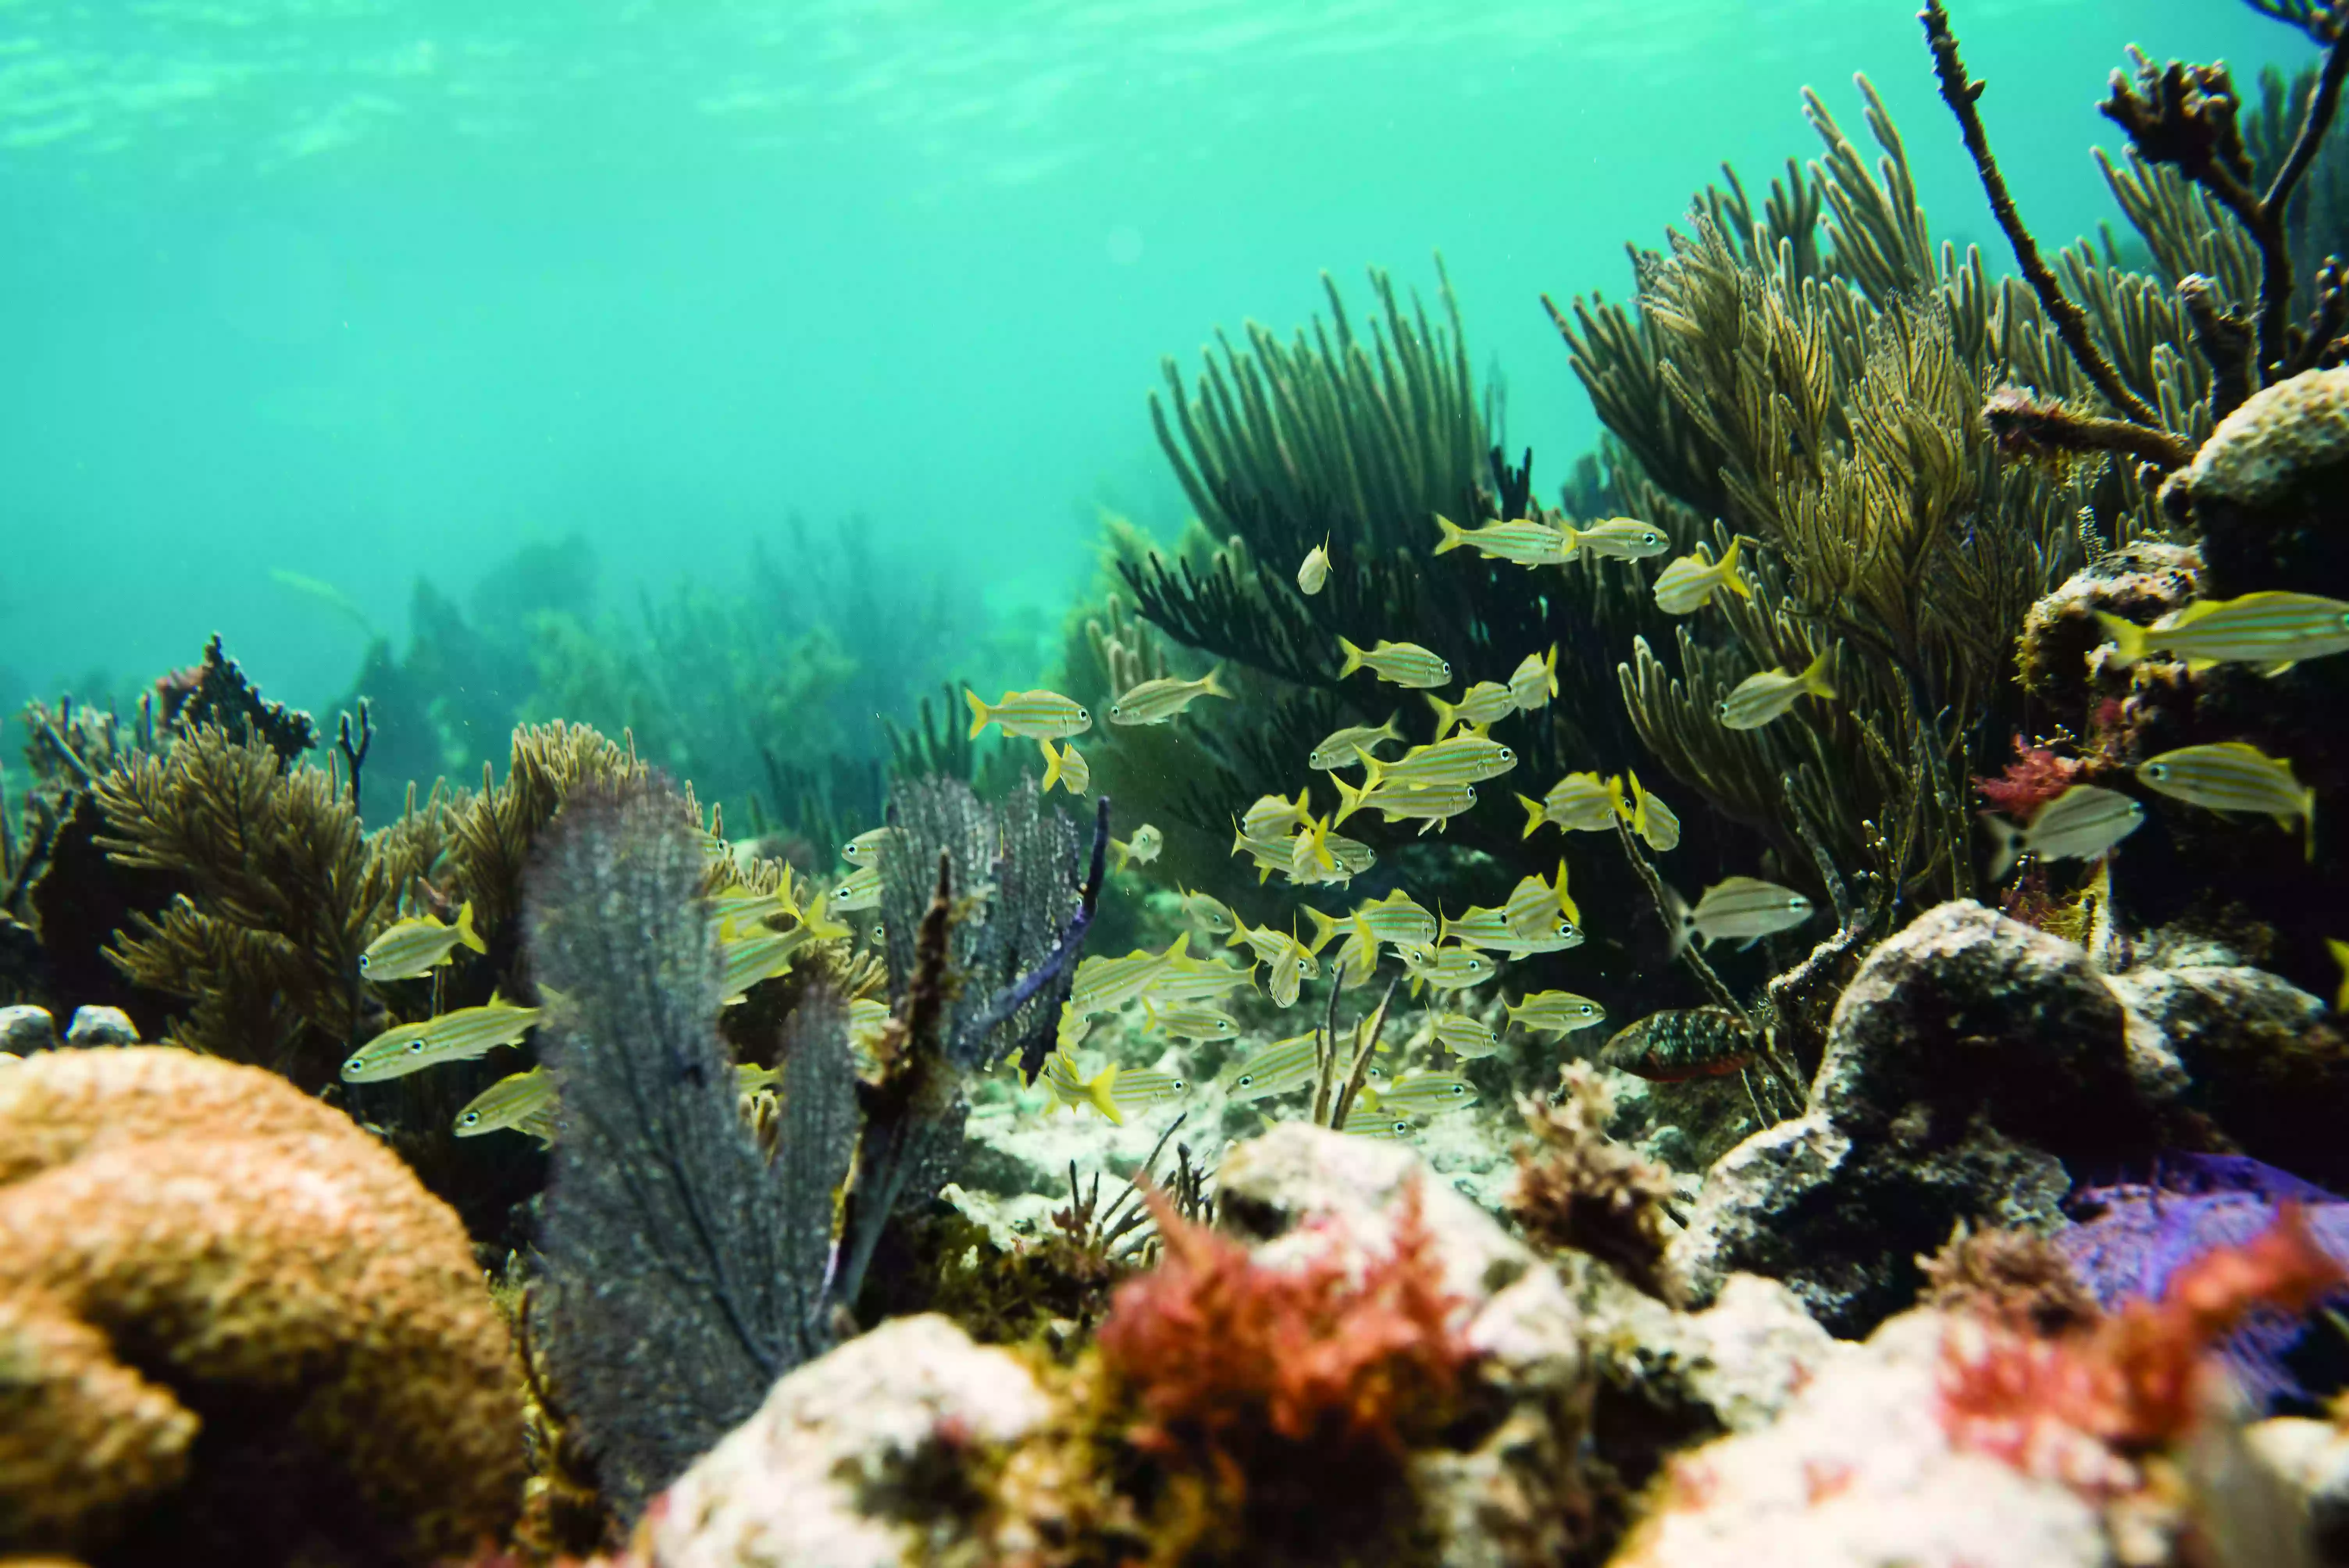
<point x="1960" y="91"/>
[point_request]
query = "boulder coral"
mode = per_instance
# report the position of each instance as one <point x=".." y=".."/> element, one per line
<point x="234" y="1327"/>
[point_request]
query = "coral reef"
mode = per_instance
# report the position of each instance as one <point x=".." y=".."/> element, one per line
<point x="237" y="1329"/>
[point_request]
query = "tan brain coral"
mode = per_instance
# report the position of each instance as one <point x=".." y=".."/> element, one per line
<point x="232" y="1324"/>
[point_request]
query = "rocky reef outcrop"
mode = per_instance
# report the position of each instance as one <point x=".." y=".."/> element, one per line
<point x="1976" y="1067"/>
<point x="234" y="1327"/>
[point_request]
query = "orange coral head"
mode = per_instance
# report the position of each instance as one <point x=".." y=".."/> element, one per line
<point x="1228" y="1357"/>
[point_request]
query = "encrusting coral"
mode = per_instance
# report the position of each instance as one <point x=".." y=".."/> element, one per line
<point x="235" y="1329"/>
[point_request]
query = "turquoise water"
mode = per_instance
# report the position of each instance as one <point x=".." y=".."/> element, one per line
<point x="370" y="291"/>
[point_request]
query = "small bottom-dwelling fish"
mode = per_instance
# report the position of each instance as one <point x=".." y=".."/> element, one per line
<point x="1685" y="1043"/>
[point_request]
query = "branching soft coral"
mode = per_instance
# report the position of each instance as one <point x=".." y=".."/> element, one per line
<point x="1231" y="1360"/>
<point x="2072" y="1408"/>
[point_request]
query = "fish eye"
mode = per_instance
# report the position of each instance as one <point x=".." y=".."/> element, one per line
<point x="1180" y="1086"/>
<point x="1082" y="713"/>
<point x="2155" y="770"/>
<point x="1797" y="902"/>
<point x="415" y="1047"/>
<point x="1507" y="755"/>
<point x="1586" y="1009"/>
<point x="469" y="1119"/>
<point x="1721" y="708"/>
<point x="363" y="962"/>
<point x="1648" y="539"/>
<point x="355" y="1064"/>
<point x="1245" y="1080"/>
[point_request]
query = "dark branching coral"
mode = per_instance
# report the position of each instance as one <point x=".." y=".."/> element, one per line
<point x="985" y="917"/>
<point x="277" y="890"/>
<point x="217" y="694"/>
<point x="684" y="1273"/>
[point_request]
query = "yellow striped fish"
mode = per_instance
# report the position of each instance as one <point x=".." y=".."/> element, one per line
<point x="1463" y="760"/>
<point x="1577" y="803"/>
<point x="1403" y="664"/>
<point x="1341" y="747"/>
<point x="513" y="1099"/>
<point x="1068" y="1086"/>
<point x="1031" y="715"/>
<point x="1653" y="820"/>
<point x="1424" y="1093"/>
<point x="861" y="890"/>
<point x="1433" y="804"/>
<point x="2275" y="630"/>
<point x="456" y="1037"/>
<point x="1689" y="582"/>
<point x="1487" y="702"/>
<point x="1759" y="698"/>
<point x="1276" y="1069"/>
<point x="2234" y="775"/>
<point x="1452" y="968"/>
<point x="1535" y="680"/>
<point x="1186" y="1021"/>
<point x="1556" y="1012"/>
<point x="1622" y="538"/>
<point x="1155" y="702"/>
<point x="1104" y="985"/>
<point x="418" y="944"/>
<point x="1066" y="768"/>
<point x="1534" y="905"/>
<point x="1522" y="541"/>
<point x="1465" y="1037"/>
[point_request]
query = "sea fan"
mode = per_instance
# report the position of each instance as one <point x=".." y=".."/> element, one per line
<point x="684" y="1274"/>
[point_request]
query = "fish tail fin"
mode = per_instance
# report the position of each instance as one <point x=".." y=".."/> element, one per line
<point x="1566" y="905"/>
<point x="1389" y="730"/>
<point x="1051" y="767"/>
<point x="1814" y="678"/>
<point x="2128" y="636"/>
<point x="1324" y="926"/>
<point x="1210" y="686"/>
<point x="1454" y="536"/>
<point x="981" y="716"/>
<point x="1101" y="1093"/>
<point x="1445" y="713"/>
<point x="1535" y="815"/>
<point x="1349" y="799"/>
<point x="1353" y="659"/>
<point x="1731" y="578"/>
<point x="2308" y="824"/>
<point x="2007" y="846"/>
<point x="465" y="932"/>
<point x="1373" y="771"/>
<point x="1683" y="924"/>
<point x="1443" y="924"/>
<point x="1549" y="668"/>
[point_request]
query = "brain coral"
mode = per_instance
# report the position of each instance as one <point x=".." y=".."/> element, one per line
<point x="234" y="1327"/>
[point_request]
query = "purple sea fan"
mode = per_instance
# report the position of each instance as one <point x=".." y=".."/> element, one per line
<point x="2134" y="1237"/>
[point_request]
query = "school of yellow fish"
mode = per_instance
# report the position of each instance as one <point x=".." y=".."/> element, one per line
<point x="1176" y="991"/>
